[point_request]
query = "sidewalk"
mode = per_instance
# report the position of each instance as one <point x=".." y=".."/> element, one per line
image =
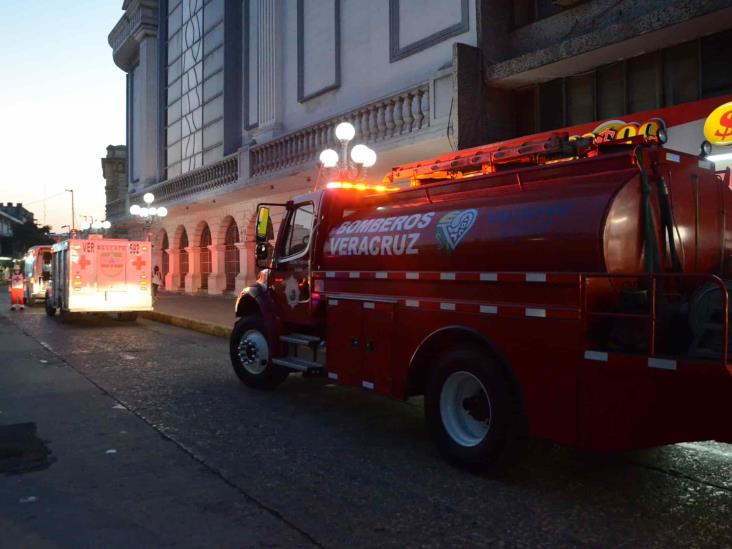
<point x="212" y="315"/>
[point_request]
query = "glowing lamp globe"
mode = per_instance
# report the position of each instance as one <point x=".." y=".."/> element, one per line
<point x="345" y="131"/>
<point x="106" y="225"/>
<point x="359" y="153"/>
<point x="144" y="212"/>
<point x="85" y="226"/>
<point x="369" y="158"/>
<point x="148" y="198"/>
<point x="96" y="225"/>
<point x="162" y="211"/>
<point x="152" y="210"/>
<point x="329" y="158"/>
<point x="135" y="209"/>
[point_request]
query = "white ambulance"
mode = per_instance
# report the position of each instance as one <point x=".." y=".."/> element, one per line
<point x="108" y="275"/>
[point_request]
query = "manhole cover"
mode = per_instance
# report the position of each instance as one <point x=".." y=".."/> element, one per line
<point x="21" y="450"/>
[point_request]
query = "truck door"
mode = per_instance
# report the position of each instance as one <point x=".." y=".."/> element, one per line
<point x="291" y="269"/>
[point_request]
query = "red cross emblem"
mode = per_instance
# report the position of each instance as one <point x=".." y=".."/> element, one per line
<point x="83" y="262"/>
<point x="138" y="263"/>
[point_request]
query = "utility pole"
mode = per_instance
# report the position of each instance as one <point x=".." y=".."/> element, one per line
<point x="73" y="216"/>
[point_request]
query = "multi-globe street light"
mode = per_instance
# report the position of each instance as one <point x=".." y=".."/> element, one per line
<point x="148" y="214"/>
<point x="345" y="167"/>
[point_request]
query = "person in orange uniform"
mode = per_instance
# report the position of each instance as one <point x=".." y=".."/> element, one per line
<point x="16" y="287"/>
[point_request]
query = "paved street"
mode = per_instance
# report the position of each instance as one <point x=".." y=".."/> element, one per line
<point x="200" y="459"/>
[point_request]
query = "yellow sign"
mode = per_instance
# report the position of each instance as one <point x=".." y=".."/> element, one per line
<point x="718" y="125"/>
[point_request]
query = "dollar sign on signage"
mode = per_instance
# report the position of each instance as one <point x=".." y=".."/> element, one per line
<point x="726" y="121"/>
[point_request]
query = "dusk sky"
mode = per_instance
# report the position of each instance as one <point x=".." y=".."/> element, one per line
<point x="62" y="101"/>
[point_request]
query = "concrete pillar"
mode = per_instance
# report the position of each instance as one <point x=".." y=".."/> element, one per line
<point x="193" y="278"/>
<point x="146" y="84"/>
<point x="245" y="277"/>
<point x="217" y="278"/>
<point x="172" y="278"/>
<point x="269" y="66"/>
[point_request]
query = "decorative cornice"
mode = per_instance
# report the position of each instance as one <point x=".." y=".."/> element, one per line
<point x="140" y="20"/>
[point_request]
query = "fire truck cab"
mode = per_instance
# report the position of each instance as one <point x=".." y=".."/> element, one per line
<point x="570" y="289"/>
<point x="100" y="275"/>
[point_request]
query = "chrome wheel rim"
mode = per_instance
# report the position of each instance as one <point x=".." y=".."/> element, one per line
<point x="465" y="409"/>
<point x="253" y="351"/>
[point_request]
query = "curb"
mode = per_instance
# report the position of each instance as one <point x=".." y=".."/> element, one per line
<point x="196" y="325"/>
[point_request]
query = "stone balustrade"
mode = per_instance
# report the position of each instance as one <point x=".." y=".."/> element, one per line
<point x="199" y="181"/>
<point x="403" y="113"/>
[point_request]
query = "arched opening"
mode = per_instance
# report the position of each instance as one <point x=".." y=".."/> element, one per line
<point x="183" y="262"/>
<point x="231" y="255"/>
<point x="205" y="256"/>
<point x="165" y="261"/>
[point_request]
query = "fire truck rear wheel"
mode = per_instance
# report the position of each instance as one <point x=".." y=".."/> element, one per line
<point x="471" y="411"/>
<point x="250" y="355"/>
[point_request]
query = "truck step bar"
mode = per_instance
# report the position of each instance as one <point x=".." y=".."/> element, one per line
<point x="298" y="364"/>
<point x="301" y="339"/>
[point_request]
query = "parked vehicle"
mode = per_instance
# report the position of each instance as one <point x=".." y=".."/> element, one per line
<point x="100" y="275"/>
<point x="575" y="290"/>
<point x="37" y="273"/>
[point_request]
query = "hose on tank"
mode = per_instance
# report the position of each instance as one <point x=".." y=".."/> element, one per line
<point x="650" y="243"/>
<point x="667" y="221"/>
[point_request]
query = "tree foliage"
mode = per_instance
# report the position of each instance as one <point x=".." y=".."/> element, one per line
<point x="24" y="236"/>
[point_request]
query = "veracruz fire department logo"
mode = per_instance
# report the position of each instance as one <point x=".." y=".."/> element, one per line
<point x="453" y="227"/>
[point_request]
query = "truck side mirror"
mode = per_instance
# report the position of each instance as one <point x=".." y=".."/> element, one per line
<point x="265" y="231"/>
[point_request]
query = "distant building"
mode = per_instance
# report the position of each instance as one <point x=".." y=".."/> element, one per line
<point x="114" y="171"/>
<point x="229" y="102"/>
<point x="7" y="226"/>
<point x="16" y="211"/>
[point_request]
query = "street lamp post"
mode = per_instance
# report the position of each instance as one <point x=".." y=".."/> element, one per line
<point x="345" y="167"/>
<point x="148" y="214"/>
<point x="95" y="225"/>
<point x="73" y="215"/>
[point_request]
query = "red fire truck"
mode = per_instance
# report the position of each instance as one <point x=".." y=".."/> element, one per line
<point x="573" y="289"/>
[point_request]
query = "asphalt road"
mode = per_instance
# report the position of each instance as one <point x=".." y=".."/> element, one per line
<point x="202" y="460"/>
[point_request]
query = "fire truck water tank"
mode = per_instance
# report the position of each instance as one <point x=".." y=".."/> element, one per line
<point x="580" y="216"/>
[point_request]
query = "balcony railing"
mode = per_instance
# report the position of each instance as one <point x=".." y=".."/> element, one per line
<point x="201" y="180"/>
<point x="403" y="113"/>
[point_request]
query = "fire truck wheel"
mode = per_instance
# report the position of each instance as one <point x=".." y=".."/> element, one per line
<point x="250" y="356"/>
<point x="471" y="411"/>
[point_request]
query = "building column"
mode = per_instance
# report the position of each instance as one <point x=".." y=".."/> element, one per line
<point x="269" y="67"/>
<point x="244" y="277"/>
<point x="172" y="277"/>
<point x="217" y="278"/>
<point x="193" y="277"/>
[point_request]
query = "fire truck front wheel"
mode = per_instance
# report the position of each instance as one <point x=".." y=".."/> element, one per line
<point x="471" y="411"/>
<point x="250" y="355"/>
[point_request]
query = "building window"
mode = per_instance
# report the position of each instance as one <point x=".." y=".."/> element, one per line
<point x="682" y="73"/>
<point x="195" y="84"/>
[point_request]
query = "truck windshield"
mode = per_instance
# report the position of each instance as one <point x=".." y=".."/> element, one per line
<point x="297" y="234"/>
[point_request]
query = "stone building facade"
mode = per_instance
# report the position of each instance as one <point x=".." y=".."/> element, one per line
<point x="114" y="171"/>
<point x="229" y="102"/>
